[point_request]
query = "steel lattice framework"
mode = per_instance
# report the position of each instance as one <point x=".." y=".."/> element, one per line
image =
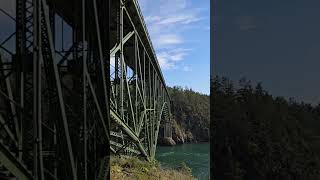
<point x="63" y="107"/>
<point x="139" y="100"/>
<point x="54" y="99"/>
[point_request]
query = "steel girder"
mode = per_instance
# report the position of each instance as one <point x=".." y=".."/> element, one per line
<point x="139" y="100"/>
<point x="54" y="102"/>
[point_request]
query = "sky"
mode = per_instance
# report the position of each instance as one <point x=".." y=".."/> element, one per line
<point x="272" y="41"/>
<point x="180" y="34"/>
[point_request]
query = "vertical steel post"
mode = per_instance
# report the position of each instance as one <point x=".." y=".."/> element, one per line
<point x="84" y="61"/>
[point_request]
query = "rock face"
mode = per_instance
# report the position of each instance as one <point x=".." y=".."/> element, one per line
<point x="179" y="136"/>
<point x="178" y="139"/>
<point x="189" y="137"/>
<point x="183" y="137"/>
<point x="167" y="141"/>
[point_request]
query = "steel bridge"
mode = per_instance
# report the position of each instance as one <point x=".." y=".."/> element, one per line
<point x="82" y="82"/>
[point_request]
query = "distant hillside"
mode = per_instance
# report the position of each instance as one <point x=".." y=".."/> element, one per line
<point x="191" y="111"/>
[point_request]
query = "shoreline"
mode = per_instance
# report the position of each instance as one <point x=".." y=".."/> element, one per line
<point x="133" y="167"/>
<point x="196" y="142"/>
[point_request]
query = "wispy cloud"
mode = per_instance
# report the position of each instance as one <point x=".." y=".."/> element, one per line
<point x="152" y="19"/>
<point x="168" y="59"/>
<point x="164" y="61"/>
<point x="169" y="39"/>
<point x="167" y="21"/>
<point x="178" y="54"/>
<point x="177" y="19"/>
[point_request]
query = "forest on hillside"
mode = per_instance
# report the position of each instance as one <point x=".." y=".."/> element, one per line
<point x="256" y="136"/>
<point x="190" y="110"/>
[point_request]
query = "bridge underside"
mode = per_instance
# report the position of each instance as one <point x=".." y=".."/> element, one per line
<point x="139" y="100"/>
<point x="82" y="79"/>
<point x="54" y="100"/>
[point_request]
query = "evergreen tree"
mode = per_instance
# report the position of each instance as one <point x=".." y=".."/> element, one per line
<point x="257" y="136"/>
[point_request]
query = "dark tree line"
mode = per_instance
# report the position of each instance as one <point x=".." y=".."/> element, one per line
<point x="190" y="111"/>
<point x="256" y="136"/>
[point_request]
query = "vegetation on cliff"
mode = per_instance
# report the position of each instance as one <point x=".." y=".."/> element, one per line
<point x="190" y="111"/>
<point x="259" y="136"/>
<point x="123" y="168"/>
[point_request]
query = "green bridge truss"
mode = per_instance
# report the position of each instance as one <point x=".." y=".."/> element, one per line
<point x="139" y="100"/>
<point x="81" y="81"/>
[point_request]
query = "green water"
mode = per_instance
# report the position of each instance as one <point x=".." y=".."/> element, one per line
<point x="196" y="156"/>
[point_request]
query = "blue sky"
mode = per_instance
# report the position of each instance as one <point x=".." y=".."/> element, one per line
<point x="180" y="34"/>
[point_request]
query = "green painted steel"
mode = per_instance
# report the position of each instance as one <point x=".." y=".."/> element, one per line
<point x="139" y="101"/>
<point x="54" y="100"/>
<point x="58" y="117"/>
<point x="9" y="161"/>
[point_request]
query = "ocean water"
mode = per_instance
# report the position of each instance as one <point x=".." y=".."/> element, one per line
<point x="196" y="156"/>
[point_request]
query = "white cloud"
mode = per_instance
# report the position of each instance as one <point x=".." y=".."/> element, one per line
<point x="152" y="19"/>
<point x="167" y="21"/>
<point x="178" y="19"/>
<point x="168" y="59"/>
<point x="164" y="40"/>
<point x="178" y="54"/>
<point x="164" y="61"/>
